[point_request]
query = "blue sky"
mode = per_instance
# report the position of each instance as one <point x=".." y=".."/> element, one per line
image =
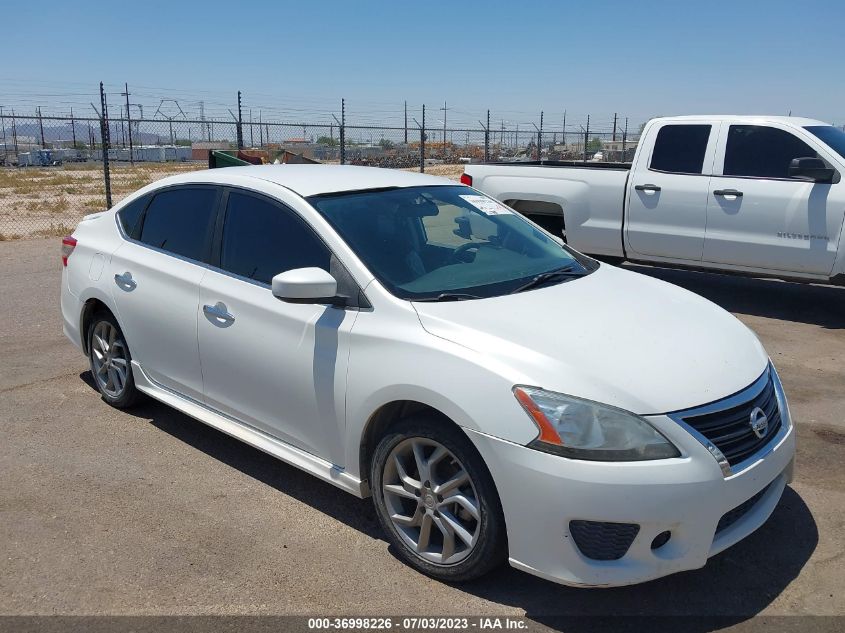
<point x="298" y="59"/>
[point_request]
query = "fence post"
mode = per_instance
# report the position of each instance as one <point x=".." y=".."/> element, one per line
<point x="540" y="139"/>
<point x="343" y="131"/>
<point x="240" y="129"/>
<point x="41" y="126"/>
<point x="487" y="140"/>
<point x="105" y="142"/>
<point x="422" y="142"/>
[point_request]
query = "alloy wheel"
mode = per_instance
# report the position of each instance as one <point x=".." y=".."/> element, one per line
<point x="431" y="501"/>
<point x="109" y="359"/>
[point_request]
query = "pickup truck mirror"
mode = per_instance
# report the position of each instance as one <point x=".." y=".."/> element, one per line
<point x="810" y="169"/>
<point x="306" y="285"/>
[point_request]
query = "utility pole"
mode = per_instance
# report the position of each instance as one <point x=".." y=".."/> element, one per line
<point x="202" y="118"/>
<point x="422" y="142"/>
<point x="614" y="126"/>
<point x="624" y="139"/>
<point x="406" y="122"/>
<point x="129" y="123"/>
<point x="586" y="137"/>
<point x="502" y="135"/>
<point x="240" y="131"/>
<point x="487" y="139"/>
<point x="444" y="108"/>
<point x="540" y="139"/>
<point x="260" y="131"/>
<point x="41" y="125"/>
<point x="563" y="134"/>
<point x="72" y="129"/>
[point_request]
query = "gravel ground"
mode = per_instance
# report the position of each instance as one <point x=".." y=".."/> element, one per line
<point x="151" y="512"/>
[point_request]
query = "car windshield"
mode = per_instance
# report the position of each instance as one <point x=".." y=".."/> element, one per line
<point x="447" y="242"/>
<point x="831" y="136"/>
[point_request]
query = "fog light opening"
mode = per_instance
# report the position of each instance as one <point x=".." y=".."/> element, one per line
<point x="661" y="539"/>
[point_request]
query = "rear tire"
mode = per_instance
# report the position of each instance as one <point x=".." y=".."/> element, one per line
<point x="111" y="362"/>
<point x="436" y="501"/>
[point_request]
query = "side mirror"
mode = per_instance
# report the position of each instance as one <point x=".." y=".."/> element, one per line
<point x="306" y="285"/>
<point x="810" y="169"/>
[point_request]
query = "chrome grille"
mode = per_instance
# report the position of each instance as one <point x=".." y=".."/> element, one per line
<point x="730" y="429"/>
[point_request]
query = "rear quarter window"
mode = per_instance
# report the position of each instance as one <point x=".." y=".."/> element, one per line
<point x="130" y="214"/>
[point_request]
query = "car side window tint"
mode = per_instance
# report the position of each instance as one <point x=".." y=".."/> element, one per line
<point x="130" y="214"/>
<point x="680" y="148"/>
<point x="762" y="152"/>
<point x="180" y="221"/>
<point x="262" y="239"/>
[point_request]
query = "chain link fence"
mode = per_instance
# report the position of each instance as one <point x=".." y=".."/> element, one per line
<point x="54" y="170"/>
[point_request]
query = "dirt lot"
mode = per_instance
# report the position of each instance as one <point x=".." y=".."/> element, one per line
<point x="35" y="202"/>
<point x="151" y="512"/>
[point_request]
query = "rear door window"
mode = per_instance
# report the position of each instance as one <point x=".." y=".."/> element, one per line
<point x="262" y="239"/>
<point x="180" y="221"/>
<point x="759" y="151"/>
<point x="680" y="149"/>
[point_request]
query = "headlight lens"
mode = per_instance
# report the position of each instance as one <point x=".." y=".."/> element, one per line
<point x="582" y="429"/>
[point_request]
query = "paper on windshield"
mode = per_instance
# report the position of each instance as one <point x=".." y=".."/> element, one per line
<point x="486" y="205"/>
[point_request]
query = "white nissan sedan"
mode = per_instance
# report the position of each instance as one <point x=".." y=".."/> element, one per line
<point x="499" y="395"/>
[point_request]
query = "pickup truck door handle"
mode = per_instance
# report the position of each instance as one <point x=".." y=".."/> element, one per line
<point x="646" y="187"/>
<point x="218" y="311"/>
<point x="125" y="281"/>
<point x="727" y="192"/>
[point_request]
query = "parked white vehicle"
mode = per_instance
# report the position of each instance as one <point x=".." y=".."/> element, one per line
<point x="500" y="395"/>
<point x="754" y="195"/>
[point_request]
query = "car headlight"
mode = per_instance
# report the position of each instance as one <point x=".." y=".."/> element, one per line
<point x="582" y="429"/>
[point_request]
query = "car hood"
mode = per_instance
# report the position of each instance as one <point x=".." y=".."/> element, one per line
<point x="614" y="336"/>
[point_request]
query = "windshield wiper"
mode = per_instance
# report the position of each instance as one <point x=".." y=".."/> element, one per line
<point x="449" y="296"/>
<point x="565" y="272"/>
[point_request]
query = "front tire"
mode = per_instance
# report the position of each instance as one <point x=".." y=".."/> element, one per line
<point x="436" y="501"/>
<point x="111" y="362"/>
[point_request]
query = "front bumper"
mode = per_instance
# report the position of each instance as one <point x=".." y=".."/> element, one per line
<point x="687" y="496"/>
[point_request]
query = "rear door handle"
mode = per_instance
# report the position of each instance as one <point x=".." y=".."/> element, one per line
<point x="727" y="192"/>
<point x="125" y="281"/>
<point x="647" y="187"/>
<point x="218" y="311"/>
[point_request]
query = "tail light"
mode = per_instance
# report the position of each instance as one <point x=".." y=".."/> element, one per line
<point x="68" y="244"/>
<point x="466" y="179"/>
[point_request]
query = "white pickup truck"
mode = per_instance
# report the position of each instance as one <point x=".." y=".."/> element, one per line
<point x="755" y="195"/>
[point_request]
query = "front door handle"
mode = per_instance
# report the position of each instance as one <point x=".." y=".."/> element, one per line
<point x="647" y="187"/>
<point x="125" y="281"/>
<point x="218" y="311"/>
<point x="728" y="192"/>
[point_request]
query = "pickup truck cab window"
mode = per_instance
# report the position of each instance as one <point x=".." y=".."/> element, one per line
<point x="262" y="239"/>
<point x="760" y="151"/>
<point x="180" y="220"/>
<point x="680" y="149"/>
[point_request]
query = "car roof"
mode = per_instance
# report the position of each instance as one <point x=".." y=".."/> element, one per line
<point x="310" y="180"/>
<point x="744" y="118"/>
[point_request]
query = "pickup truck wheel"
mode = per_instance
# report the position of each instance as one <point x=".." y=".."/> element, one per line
<point x="111" y="363"/>
<point x="436" y="501"/>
